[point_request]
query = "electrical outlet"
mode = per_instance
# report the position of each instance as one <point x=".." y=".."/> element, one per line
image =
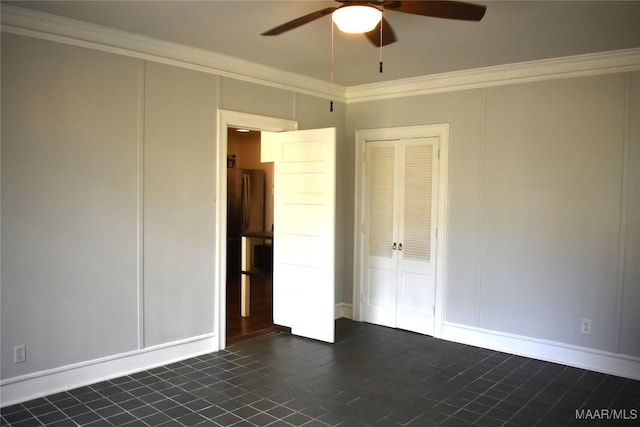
<point x="585" y="326"/>
<point x="19" y="354"/>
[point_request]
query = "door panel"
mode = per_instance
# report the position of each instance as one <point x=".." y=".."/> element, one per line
<point x="304" y="231"/>
<point x="416" y="302"/>
<point x="380" y="294"/>
<point x="299" y="183"/>
<point x="303" y="219"/>
<point x="414" y="298"/>
<point x="381" y="297"/>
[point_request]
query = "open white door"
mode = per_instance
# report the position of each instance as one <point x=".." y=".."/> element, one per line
<point x="304" y="231"/>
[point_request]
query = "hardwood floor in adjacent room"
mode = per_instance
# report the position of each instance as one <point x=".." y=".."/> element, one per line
<point x="260" y="320"/>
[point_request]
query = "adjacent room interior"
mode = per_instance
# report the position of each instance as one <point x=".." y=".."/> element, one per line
<point x="249" y="237"/>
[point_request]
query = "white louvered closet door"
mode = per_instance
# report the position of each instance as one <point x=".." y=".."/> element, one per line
<point x="416" y="229"/>
<point x="401" y="207"/>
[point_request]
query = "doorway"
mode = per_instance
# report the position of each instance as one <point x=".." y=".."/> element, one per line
<point x="226" y="120"/>
<point x="298" y="191"/>
<point x="249" y="278"/>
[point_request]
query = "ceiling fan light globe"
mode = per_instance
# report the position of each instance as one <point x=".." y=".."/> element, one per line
<point x="356" y="19"/>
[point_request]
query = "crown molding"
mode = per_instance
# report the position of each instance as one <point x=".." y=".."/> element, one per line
<point x="59" y="29"/>
<point x="30" y="23"/>
<point x="617" y="61"/>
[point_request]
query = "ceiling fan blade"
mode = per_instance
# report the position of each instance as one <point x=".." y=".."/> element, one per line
<point x="439" y="9"/>
<point x="388" y="36"/>
<point x="299" y="21"/>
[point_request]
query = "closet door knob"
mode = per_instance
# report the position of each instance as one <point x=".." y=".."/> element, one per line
<point x="399" y="246"/>
<point x="394" y="246"/>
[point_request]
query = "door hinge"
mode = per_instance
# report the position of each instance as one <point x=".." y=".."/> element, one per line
<point x="361" y="296"/>
<point x="438" y="153"/>
<point x="434" y="310"/>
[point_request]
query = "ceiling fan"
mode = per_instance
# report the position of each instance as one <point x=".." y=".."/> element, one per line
<point x="440" y="9"/>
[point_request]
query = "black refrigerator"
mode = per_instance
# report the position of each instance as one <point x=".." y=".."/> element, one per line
<point x="245" y="211"/>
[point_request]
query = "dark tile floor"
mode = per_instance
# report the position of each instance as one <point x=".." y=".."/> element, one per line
<point x="371" y="376"/>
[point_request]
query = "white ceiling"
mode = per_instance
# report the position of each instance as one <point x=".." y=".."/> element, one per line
<point x="511" y="32"/>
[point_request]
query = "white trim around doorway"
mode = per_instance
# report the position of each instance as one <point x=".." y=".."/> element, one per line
<point x="228" y="119"/>
<point x="423" y="131"/>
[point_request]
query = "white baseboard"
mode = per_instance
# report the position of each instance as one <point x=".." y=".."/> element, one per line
<point x="344" y="310"/>
<point x="550" y="351"/>
<point x="31" y="386"/>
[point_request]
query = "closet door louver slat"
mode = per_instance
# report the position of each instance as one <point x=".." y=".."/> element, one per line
<point x="417" y="202"/>
<point x="381" y="201"/>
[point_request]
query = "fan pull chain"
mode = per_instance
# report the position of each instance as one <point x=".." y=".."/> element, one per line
<point x="381" y="43"/>
<point x="332" y="60"/>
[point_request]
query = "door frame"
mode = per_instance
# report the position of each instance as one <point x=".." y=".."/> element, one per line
<point x="227" y="119"/>
<point x="388" y="134"/>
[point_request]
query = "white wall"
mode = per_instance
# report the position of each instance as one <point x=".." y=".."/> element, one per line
<point x="69" y="204"/>
<point x="553" y="162"/>
<point x="543" y="223"/>
<point x="629" y="331"/>
<point x="238" y="95"/>
<point x="109" y="210"/>
<point x="108" y="173"/>
<point x="179" y="206"/>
